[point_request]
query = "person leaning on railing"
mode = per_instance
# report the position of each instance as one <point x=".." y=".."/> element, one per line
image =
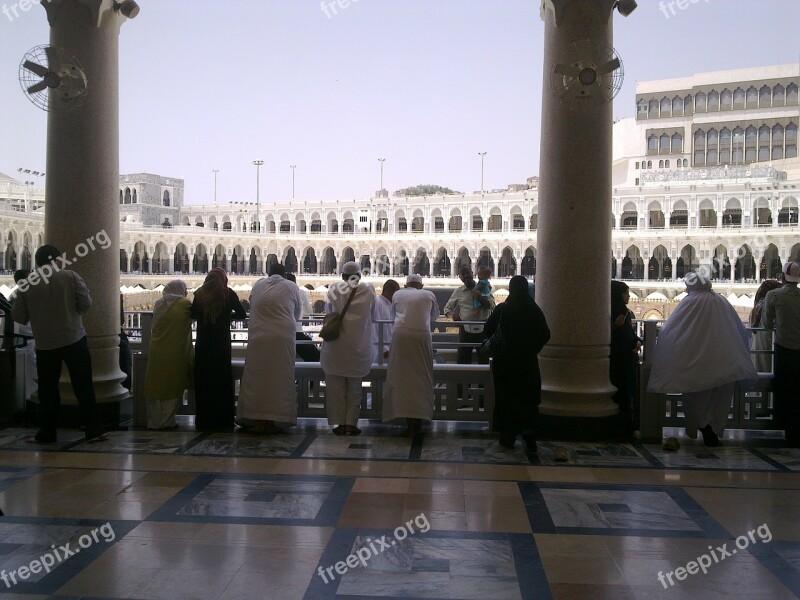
<point x="782" y="310"/>
<point x="462" y="307"/>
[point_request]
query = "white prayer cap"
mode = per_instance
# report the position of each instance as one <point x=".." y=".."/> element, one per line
<point x="350" y="268"/>
<point x="414" y="279"/>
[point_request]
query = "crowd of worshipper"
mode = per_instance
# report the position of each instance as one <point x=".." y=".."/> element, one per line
<point x="703" y="350"/>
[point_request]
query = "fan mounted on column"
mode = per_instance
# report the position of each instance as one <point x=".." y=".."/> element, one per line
<point x="52" y="79"/>
<point x="592" y="76"/>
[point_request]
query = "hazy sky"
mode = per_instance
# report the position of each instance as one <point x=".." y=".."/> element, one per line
<point x="426" y="84"/>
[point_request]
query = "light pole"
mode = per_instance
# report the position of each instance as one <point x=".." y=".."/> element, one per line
<point x="381" y="160"/>
<point x="482" y="154"/>
<point x="258" y="164"/>
<point x="293" y="167"/>
<point x="215" y="185"/>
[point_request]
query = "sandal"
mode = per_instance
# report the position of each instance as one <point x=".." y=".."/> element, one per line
<point x="560" y="454"/>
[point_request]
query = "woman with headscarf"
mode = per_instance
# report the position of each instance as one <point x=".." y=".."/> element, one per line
<point x="215" y="305"/>
<point x="623" y="354"/>
<point x="170" y="356"/>
<point x="762" y="340"/>
<point x="701" y="352"/>
<point x="515" y="365"/>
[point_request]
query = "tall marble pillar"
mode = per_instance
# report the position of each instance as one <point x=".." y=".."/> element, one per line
<point x="82" y="208"/>
<point x="574" y="204"/>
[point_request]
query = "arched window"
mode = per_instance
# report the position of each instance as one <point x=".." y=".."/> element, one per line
<point x="666" y="164"/>
<point x="791" y="94"/>
<point x="120" y="196"/>
<point x="652" y="144"/>
<point x="700" y="102"/>
<point x="641" y="109"/>
<point x="737" y="156"/>
<point x="127" y="195"/>
<point x="763" y="135"/>
<point x="166" y="199"/>
<point x="777" y="142"/>
<point x="649" y="164"/>
<point x="663" y="146"/>
<point x="713" y="100"/>
<point x="661" y="164"/>
<point x="752" y="97"/>
<point x="666" y="107"/>
<point x="135" y="196"/>
<point x="677" y="143"/>
<point x="677" y="106"/>
<point x="751" y="135"/>
<point x="765" y="97"/>
<point x="687" y="105"/>
<point x="653" y="109"/>
<point x="699" y="147"/>
<point x="685" y="162"/>
<point x="791" y="141"/>
<point x="738" y="99"/>
<point x="726" y="100"/>
<point x="725" y="146"/>
<point x="778" y="95"/>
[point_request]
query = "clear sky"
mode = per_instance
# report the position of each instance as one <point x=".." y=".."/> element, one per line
<point x="425" y="84"/>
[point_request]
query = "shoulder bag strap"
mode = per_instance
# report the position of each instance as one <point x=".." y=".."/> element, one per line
<point x="347" y="304"/>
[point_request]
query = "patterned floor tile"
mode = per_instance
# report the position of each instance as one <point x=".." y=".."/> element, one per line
<point x="694" y="455"/>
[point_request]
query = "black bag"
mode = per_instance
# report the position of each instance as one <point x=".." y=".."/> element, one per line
<point x="332" y="323"/>
<point x="493" y="343"/>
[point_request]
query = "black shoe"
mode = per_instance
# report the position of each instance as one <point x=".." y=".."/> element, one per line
<point x="507" y="440"/>
<point x="42" y="438"/>
<point x="531" y="442"/>
<point x="710" y="438"/>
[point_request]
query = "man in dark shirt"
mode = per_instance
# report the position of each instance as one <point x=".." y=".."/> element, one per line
<point x="53" y="300"/>
<point x="782" y="311"/>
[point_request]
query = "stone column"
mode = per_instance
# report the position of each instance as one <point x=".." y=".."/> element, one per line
<point x="83" y="176"/>
<point x="575" y="187"/>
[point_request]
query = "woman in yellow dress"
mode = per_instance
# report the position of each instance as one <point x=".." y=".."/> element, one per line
<point x="169" y="366"/>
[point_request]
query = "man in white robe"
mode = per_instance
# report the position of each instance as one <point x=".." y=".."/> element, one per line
<point x="308" y="352"/>
<point x="267" y="392"/>
<point x="383" y="312"/>
<point x="409" y="376"/>
<point x="348" y="359"/>
<point x="701" y="352"/>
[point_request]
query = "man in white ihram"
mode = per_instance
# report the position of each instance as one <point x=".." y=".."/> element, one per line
<point x="383" y="312"/>
<point x="348" y="359"/>
<point x="701" y="352"/>
<point x="409" y="376"/>
<point x="267" y="394"/>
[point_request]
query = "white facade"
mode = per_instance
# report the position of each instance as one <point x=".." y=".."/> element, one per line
<point x="670" y="210"/>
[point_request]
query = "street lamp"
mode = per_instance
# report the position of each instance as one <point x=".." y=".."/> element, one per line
<point x="215" y="185"/>
<point x="381" y="160"/>
<point x="482" y="154"/>
<point x="258" y="164"/>
<point x="293" y="167"/>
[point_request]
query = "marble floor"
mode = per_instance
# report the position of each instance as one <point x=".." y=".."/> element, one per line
<point x="309" y="515"/>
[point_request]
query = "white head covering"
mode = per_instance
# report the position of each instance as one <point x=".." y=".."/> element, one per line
<point x="414" y="278"/>
<point x="350" y="268"/>
<point x="174" y="290"/>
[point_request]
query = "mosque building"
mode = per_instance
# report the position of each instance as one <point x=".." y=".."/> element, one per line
<point x="706" y="173"/>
